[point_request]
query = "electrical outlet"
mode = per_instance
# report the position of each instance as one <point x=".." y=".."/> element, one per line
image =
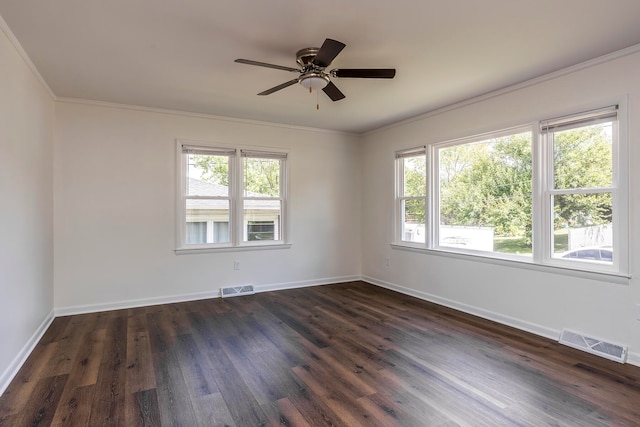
<point x="387" y="261"/>
<point x="236" y="265"/>
<point x="637" y="311"/>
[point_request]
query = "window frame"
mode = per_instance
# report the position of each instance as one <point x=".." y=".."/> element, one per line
<point x="542" y="215"/>
<point x="237" y="223"/>
<point x="618" y="190"/>
<point x="401" y="198"/>
<point x="243" y="237"/>
<point x="435" y="200"/>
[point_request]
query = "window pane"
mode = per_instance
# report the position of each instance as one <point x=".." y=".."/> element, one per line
<point x="207" y="175"/>
<point x="261" y="177"/>
<point x="582" y="227"/>
<point x="413" y="226"/>
<point x="485" y="195"/>
<point x="207" y="221"/>
<point x="583" y="157"/>
<point x="260" y="230"/>
<point x="196" y="232"/>
<point x="415" y="172"/>
<point x="262" y="219"/>
<point x="221" y="232"/>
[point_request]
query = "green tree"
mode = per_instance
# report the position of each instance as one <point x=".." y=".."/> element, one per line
<point x="582" y="159"/>
<point x="488" y="184"/>
<point x="415" y="185"/>
<point x="261" y="175"/>
<point x="212" y="168"/>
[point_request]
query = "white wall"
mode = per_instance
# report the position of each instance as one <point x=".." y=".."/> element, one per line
<point x="543" y="302"/>
<point x="115" y="216"/>
<point x="26" y="209"/>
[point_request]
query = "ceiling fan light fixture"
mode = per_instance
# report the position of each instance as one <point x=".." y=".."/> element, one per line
<point x="314" y="81"/>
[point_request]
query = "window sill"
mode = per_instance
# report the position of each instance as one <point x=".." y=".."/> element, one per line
<point x="617" y="278"/>
<point x="218" y="249"/>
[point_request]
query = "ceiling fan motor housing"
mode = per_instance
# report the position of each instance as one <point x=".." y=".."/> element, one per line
<point x="306" y="55"/>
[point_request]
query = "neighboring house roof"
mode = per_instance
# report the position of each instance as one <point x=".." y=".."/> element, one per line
<point x="206" y="188"/>
<point x="211" y="189"/>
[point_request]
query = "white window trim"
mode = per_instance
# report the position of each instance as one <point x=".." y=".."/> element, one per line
<point x="619" y="187"/>
<point x="236" y="196"/>
<point x="433" y="168"/>
<point x="541" y="259"/>
<point x="399" y="191"/>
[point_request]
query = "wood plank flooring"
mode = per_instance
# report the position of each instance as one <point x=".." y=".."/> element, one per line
<point x="349" y="354"/>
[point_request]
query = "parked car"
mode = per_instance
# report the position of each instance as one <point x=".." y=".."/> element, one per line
<point x="590" y="254"/>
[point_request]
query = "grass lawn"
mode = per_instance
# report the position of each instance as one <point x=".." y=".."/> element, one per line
<point x="518" y="245"/>
<point x="511" y="245"/>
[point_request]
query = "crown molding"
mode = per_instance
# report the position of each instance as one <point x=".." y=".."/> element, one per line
<point x="515" y="87"/>
<point x="23" y="54"/>
<point x="200" y="116"/>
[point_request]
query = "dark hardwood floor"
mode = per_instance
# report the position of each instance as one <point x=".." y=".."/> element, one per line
<point x="350" y="354"/>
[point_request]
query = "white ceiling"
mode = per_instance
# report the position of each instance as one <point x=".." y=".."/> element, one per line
<point x="179" y="54"/>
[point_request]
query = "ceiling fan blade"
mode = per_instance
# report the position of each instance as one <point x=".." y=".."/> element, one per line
<point x="365" y="73"/>
<point x="264" y="64"/>
<point x="333" y="92"/>
<point x="327" y="53"/>
<point x="277" y="88"/>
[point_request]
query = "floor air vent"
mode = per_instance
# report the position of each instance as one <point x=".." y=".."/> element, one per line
<point x="595" y="346"/>
<point x="236" y="291"/>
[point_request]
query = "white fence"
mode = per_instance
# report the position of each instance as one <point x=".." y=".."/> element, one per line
<point x="476" y="238"/>
<point x="599" y="235"/>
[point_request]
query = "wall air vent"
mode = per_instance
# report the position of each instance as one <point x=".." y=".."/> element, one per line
<point x="236" y="291"/>
<point x="594" y="346"/>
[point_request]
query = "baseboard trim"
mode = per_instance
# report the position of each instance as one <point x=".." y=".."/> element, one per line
<point x="632" y="358"/>
<point x="469" y="309"/>
<point x="122" y="305"/>
<point x="12" y="370"/>
<point x="306" y="283"/>
<point x="170" y="299"/>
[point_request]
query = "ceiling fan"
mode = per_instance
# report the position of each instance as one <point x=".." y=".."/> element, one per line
<point x="313" y="74"/>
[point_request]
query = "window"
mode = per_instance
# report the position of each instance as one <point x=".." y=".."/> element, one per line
<point x="412" y="194"/>
<point x="582" y="187"/>
<point x="207" y="197"/>
<point x="484" y="189"/>
<point x="230" y="197"/>
<point x="262" y="195"/>
<point x="550" y="194"/>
